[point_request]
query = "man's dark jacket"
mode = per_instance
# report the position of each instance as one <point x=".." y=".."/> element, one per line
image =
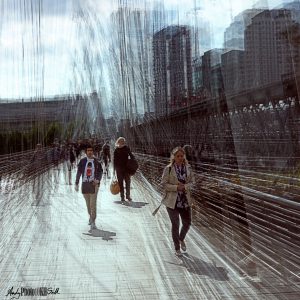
<point x="81" y="168"/>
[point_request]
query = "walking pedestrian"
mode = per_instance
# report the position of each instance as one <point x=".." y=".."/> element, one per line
<point x="90" y="169"/>
<point x="105" y="156"/>
<point x="120" y="159"/>
<point x="177" y="180"/>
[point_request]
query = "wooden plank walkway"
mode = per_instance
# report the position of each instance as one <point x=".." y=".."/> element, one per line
<point x="47" y="243"/>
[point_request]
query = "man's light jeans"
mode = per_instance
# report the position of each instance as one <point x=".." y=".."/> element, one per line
<point x="91" y="204"/>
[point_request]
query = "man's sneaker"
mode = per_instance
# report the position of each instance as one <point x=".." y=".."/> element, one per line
<point x="182" y="245"/>
<point x="93" y="226"/>
<point x="178" y="253"/>
<point x="129" y="199"/>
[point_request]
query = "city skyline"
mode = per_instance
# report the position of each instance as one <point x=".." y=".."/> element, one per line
<point x="50" y="59"/>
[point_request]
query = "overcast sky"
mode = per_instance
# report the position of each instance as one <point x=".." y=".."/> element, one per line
<point x="44" y="56"/>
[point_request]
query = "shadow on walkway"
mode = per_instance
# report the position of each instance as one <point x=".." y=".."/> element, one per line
<point x="132" y="204"/>
<point x="197" y="266"/>
<point x="106" y="235"/>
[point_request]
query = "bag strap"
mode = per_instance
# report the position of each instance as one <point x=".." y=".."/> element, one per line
<point x="130" y="153"/>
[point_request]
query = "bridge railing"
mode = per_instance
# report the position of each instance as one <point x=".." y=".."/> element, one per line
<point x="247" y="211"/>
<point x="24" y="166"/>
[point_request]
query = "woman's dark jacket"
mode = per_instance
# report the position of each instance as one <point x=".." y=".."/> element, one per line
<point x="121" y="157"/>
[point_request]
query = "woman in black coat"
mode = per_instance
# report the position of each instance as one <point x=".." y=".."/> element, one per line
<point x="120" y="160"/>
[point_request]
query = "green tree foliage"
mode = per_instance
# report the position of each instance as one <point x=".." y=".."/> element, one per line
<point x="15" y="141"/>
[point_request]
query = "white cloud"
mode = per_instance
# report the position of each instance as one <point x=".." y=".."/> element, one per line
<point x="60" y="45"/>
<point x="26" y="50"/>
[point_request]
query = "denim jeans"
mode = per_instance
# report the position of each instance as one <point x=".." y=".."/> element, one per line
<point x="186" y="219"/>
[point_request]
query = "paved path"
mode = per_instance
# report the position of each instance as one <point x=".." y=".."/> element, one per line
<point x="47" y="243"/>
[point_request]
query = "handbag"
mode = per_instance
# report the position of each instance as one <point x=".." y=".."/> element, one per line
<point x="132" y="166"/>
<point x="88" y="188"/>
<point x="114" y="186"/>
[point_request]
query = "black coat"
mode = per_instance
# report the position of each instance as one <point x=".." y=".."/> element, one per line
<point x="121" y="157"/>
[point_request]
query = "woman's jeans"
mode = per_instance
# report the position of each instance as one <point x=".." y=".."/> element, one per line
<point x="186" y="219"/>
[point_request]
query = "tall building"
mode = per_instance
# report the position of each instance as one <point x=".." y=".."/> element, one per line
<point x="201" y="41"/>
<point x="172" y="69"/>
<point x="269" y="54"/>
<point x="197" y="76"/>
<point x="131" y="51"/>
<point x="233" y="71"/>
<point x="158" y="18"/>
<point x="234" y="34"/>
<point x="212" y="73"/>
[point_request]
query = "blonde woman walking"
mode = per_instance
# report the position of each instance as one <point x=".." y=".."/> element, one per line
<point x="177" y="180"/>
